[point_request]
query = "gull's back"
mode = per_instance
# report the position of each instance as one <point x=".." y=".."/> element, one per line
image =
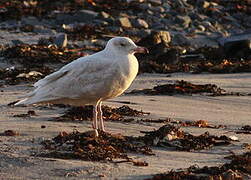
<point x="74" y="81"/>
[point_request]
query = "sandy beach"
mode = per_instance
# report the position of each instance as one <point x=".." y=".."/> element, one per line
<point x="17" y="160"/>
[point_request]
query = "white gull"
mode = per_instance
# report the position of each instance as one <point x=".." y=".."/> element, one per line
<point x="90" y="80"/>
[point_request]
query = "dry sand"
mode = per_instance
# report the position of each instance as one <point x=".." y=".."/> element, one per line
<point x="17" y="162"/>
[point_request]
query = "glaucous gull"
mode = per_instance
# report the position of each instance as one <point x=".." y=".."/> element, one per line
<point x="91" y="79"/>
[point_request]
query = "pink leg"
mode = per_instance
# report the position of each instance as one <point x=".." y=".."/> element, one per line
<point x="95" y="120"/>
<point x="100" y="116"/>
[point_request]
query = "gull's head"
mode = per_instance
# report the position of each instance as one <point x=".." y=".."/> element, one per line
<point x="124" y="45"/>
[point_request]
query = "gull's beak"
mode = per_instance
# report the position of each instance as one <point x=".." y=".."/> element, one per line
<point x="140" y="49"/>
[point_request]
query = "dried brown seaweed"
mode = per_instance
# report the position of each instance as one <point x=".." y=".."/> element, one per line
<point x="239" y="168"/>
<point x="105" y="147"/>
<point x="108" y="147"/>
<point x="199" y="123"/>
<point x="28" y="114"/>
<point x="166" y="120"/>
<point x="13" y="76"/>
<point x="16" y="9"/>
<point x="83" y="32"/>
<point x="182" y="87"/>
<point x="110" y="114"/>
<point x="244" y="130"/>
<point x="186" y="88"/>
<point x="38" y="55"/>
<point x="10" y="133"/>
<point x="172" y="136"/>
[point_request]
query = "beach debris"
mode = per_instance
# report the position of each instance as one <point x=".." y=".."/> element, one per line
<point x="109" y="113"/>
<point x="10" y="133"/>
<point x="237" y="168"/>
<point x="83" y="32"/>
<point x="105" y="147"/>
<point x="111" y="147"/>
<point x="198" y="123"/>
<point x="244" y="130"/>
<point x="37" y="55"/>
<point x="186" y="88"/>
<point x="28" y="114"/>
<point x="246" y="146"/>
<point x="13" y="76"/>
<point x="18" y="9"/>
<point x="165" y="120"/>
<point x="182" y="87"/>
<point x="233" y="138"/>
<point x="29" y="74"/>
<point x="11" y="104"/>
<point x="237" y="46"/>
<point x="173" y="137"/>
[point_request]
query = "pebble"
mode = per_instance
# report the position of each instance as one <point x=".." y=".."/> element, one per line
<point x="30" y="20"/>
<point x="85" y="16"/>
<point x="155" y="2"/>
<point x="157" y="9"/>
<point x="166" y="6"/>
<point x="201" y="28"/>
<point x="183" y="20"/>
<point x="61" y="40"/>
<point x="125" y="22"/>
<point x="141" y="23"/>
<point x="17" y="42"/>
<point x="181" y="39"/>
<point x="43" y="30"/>
<point x="104" y="14"/>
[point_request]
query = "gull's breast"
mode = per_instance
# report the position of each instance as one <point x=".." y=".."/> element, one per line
<point x="122" y="77"/>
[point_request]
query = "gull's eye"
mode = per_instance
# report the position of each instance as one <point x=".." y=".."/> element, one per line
<point x="122" y="44"/>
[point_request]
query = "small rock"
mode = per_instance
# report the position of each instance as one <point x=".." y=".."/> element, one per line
<point x="205" y="4"/>
<point x="234" y="138"/>
<point x="180" y="39"/>
<point x="157" y="9"/>
<point x="115" y="29"/>
<point x="140" y="23"/>
<point x="156" y="37"/>
<point x="145" y="6"/>
<point x="61" y="40"/>
<point x="155" y="2"/>
<point x="150" y="12"/>
<point x="10" y="133"/>
<point x="44" y="42"/>
<point x="31" y="112"/>
<point x="208" y="25"/>
<point x="237" y="48"/>
<point x="104" y="14"/>
<point x="166" y="6"/>
<point x="125" y="22"/>
<point x="231" y="175"/>
<point x="17" y="42"/>
<point x="201" y="28"/>
<point x="85" y="15"/>
<point x="30" y="20"/>
<point x="92" y="133"/>
<point x="184" y="20"/>
<point x="248" y="21"/>
<point x="30" y="74"/>
<point x="63" y="18"/>
<point x="100" y="22"/>
<point x="43" y="30"/>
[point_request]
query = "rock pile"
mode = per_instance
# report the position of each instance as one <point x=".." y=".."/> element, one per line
<point x="176" y="32"/>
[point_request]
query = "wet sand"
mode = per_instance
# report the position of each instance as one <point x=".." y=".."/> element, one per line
<point x="16" y="153"/>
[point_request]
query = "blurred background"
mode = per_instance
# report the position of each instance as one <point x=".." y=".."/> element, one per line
<point x="195" y="36"/>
